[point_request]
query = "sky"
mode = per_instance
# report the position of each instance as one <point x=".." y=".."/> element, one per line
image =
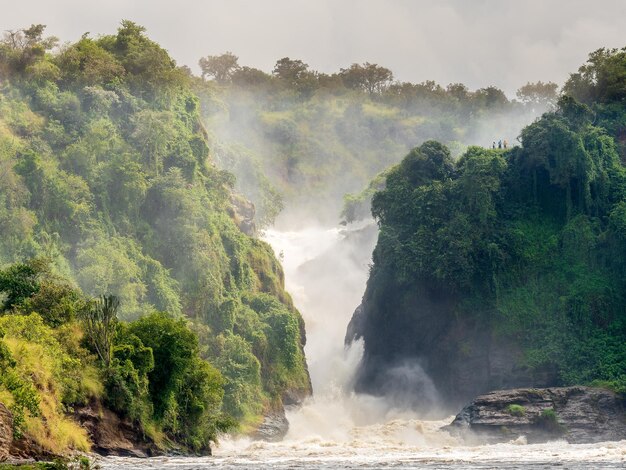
<point x="504" y="43"/>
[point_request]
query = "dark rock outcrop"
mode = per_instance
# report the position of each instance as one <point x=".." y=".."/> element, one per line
<point x="13" y="450"/>
<point x="577" y="414"/>
<point x="273" y="428"/>
<point x="419" y="324"/>
<point x="111" y="435"/>
<point x="242" y="212"/>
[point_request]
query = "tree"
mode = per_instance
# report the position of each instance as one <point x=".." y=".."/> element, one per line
<point x="100" y="322"/>
<point x="249" y="77"/>
<point x="174" y="347"/>
<point x="368" y="77"/>
<point x="220" y="67"/>
<point x="490" y="97"/>
<point x="291" y="71"/>
<point x="20" y="281"/>
<point x="538" y="94"/>
<point x="601" y="79"/>
<point x="24" y="47"/>
<point x="153" y="131"/>
<point x="23" y="39"/>
<point x="150" y="71"/>
<point x="458" y="91"/>
<point x="87" y="63"/>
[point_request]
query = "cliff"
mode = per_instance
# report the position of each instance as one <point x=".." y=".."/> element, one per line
<point x="503" y="268"/>
<point x="460" y="356"/>
<point x="576" y="414"/>
<point x="109" y="187"/>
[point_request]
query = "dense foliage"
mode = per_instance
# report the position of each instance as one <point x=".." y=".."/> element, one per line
<point x="529" y="243"/>
<point x="306" y="138"/>
<point x="105" y="172"/>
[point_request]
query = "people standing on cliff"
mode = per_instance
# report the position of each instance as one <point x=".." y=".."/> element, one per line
<point x="505" y="143"/>
<point x="493" y="146"/>
<point x="500" y="144"/>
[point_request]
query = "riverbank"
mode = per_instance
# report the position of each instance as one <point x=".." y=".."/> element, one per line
<point x="578" y="415"/>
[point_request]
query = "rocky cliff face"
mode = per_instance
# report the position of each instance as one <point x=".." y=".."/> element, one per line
<point x="273" y="428"/>
<point x="6" y="432"/>
<point x="111" y="435"/>
<point x="413" y="330"/>
<point x="577" y="414"/>
<point x="242" y="211"/>
<point x="16" y="450"/>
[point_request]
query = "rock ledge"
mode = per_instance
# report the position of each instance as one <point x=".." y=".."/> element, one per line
<point x="576" y="414"/>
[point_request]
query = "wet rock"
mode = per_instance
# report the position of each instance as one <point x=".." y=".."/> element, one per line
<point x="113" y="436"/>
<point x="6" y="432"/>
<point x="577" y="414"/>
<point x="243" y="212"/>
<point x="273" y="428"/>
<point x="295" y="396"/>
<point x="25" y="449"/>
<point x="420" y="323"/>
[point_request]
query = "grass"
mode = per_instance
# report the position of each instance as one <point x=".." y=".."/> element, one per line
<point x="155" y="434"/>
<point x="91" y="384"/>
<point x="548" y="420"/>
<point x="52" y="429"/>
<point x="516" y="410"/>
<point x="77" y="463"/>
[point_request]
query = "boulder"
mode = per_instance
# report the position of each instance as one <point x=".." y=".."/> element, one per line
<point x="243" y="212"/>
<point x="273" y="428"/>
<point x="112" y="435"/>
<point x="576" y="414"/>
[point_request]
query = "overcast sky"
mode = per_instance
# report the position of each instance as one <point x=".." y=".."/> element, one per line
<point x="478" y="42"/>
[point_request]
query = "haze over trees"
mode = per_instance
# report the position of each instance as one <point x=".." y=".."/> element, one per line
<point x="300" y="138"/>
<point x="131" y="278"/>
<point x="507" y="268"/>
<point x="107" y="189"/>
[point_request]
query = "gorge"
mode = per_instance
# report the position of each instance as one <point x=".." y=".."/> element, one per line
<point x="181" y="258"/>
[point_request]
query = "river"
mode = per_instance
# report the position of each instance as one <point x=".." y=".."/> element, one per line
<point x="326" y="271"/>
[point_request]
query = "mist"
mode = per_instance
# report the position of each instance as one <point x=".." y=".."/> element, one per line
<point x="297" y="150"/>
<point x="322" y="229"/>
<point x="326" y="270"/>
<point x="296" y="154"/>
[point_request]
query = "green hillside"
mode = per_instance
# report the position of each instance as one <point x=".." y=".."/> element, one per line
<point x="107" y="186"/>
<point x="508" y="268"/>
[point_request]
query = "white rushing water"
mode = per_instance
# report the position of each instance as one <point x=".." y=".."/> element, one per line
<point x="326" y="271"/>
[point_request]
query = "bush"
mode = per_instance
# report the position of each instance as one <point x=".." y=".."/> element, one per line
<point x="548" y="420"/>
<point x="185" y="390"/>
<point x="41" y="379"/>
<point x="516" y="410"/>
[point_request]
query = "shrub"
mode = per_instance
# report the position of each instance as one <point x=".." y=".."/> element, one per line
<point x="548" y="420"/>
<point x="516" y="410"/>
<point x="41" y="378"/>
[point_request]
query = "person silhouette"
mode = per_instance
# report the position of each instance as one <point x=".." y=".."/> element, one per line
<point x="500" y="144"/>
<point x="493" y="146"/>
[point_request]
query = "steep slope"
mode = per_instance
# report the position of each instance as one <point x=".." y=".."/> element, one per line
<point x="106" y="172"/>
<point x="504" y="269"/>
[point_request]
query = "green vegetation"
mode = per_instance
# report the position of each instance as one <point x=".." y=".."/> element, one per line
<point x="48" y="370"/>
<point x="76" y="463"/>
<point x="528" y="244"/>
<point x="516" y="410"/>
<point x="549" y="421"/>
<point x="306" y="138"/>
<point x="107" y="188"/>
